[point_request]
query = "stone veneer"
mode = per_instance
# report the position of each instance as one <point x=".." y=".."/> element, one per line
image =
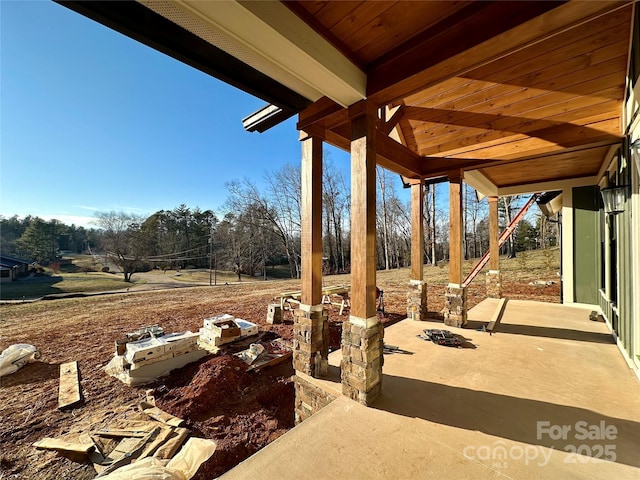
<point x="362" y="361"/>
<point x="494" y="284"/>
<point x="309" y="398"/>
<point x="417" y="300"/>
<point x="455" y="306"/>
<point x="310" y="341"/>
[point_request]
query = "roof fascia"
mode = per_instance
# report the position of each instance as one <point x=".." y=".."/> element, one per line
<point x="271" y="32"/>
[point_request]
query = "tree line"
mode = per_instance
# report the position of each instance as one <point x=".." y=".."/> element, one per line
<point x="259" y="229"/>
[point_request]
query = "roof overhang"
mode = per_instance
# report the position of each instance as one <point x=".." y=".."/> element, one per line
<point x="272" y="39"/>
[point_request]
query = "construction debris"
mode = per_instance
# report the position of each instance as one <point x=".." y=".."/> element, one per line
<point x="140" y="334"/>
<point x="274" y="352"/>
<point x="134" y="440"/>
<point x="70" y="393"/>
<point x="157" y="414"/>
<point x="143" y="361"/>
<point x="181" y="467"/>
<point x="14" y="357"/>
<point x="223" y="329"/>
<point x="62" y="445"/>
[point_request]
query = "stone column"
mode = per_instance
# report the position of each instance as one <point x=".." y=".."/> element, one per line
<point x="493" y="276"/>
<point x="362" y="334"/>
<point x="310" y="340"/>
<point x="417" y="290"/>
<point x="362" y="360"/>
<point x="455" y="306"/>
<point x="417" y="300"/>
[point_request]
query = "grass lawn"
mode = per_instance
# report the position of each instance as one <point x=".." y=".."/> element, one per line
<point x="202" y="276"/>
<point x="35" y="287"/>
<point x="526" y="267"/>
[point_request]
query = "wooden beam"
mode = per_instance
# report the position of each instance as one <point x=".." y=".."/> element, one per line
<point x="436" y="167"/>
<point x="445" y="55"/>
<point x="311" y="221"/>
<point x="70" y="393"/>
<point x="391" y="123"/>
<point x="417" y="230"/>
<point x="394" y="156"/>
<point x="390" y="154"/>
<point x="363" y="209"/>
<point x="455" y="230"/>
<point x="494" y="249"/>
<point x="317" y="112"/>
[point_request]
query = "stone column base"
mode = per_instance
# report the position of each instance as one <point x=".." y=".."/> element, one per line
<point x="311" y="340"/>
<point x="309" y="399"/>
<point x="362" y="360"/>
<point x="494" y="284"/>
<point x="417" y="300"/>
<point x="455" y="306"/>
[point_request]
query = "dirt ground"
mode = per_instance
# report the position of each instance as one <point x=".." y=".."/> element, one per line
<point x="241" y="411"/>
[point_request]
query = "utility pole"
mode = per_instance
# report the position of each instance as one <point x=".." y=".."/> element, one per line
<point x="210" y="255"/>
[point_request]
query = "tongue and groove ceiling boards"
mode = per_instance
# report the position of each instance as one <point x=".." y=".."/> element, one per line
<point x="517" y="92"/>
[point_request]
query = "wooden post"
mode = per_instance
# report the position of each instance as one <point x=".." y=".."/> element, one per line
<point x="363" y="210"/>
<point x="455" y="309"/>
<point x="417" y="290"/>
<point x="494" y="250"/>
<point x="455" y="230"/>
<point x="311" y="248"/>
<point x="362" y="335"/>
<point x="417" y="230"/>
<point x="494" y="277"/>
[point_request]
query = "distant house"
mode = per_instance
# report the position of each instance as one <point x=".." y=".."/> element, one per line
<point x="11" y="268"/>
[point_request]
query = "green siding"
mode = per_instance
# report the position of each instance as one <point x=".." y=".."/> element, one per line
<point x="586" y="244"/>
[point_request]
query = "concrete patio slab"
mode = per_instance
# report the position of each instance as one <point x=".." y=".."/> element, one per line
<point x="547" y="396"/>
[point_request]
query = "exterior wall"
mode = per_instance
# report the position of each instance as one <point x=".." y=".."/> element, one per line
<point x="586" y="244"/>
<point x="310" y="398"/>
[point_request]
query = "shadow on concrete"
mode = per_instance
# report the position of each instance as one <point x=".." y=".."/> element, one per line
<point x="513" y="418"/>
<point x="550" y="332"/>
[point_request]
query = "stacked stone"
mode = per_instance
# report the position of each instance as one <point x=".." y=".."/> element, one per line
<point x="417" y="300"/>
<point x="494" y="284"/>
<point x="362" y="361"/>
<point x="309" y="399"/>
<point x="455" y="306"/>
<point x="310" y="342"/>
<point x="274" y="314"/>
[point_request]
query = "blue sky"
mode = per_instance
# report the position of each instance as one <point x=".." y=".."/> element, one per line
<point x="94" y="121"/>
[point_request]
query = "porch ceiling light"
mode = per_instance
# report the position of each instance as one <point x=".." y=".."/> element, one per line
<point x="613" y="198"/>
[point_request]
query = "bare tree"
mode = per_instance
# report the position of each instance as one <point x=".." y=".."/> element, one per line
<point x="279" y="209"/>
<point x="336" y="199"/>
<point x="383" y="209"/>
<point x="124" y="240"/>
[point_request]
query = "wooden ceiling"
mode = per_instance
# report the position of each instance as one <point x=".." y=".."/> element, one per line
<point x="484" y="81"/>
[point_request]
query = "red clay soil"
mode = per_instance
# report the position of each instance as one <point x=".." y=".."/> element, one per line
<point x="241" y="411"/>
